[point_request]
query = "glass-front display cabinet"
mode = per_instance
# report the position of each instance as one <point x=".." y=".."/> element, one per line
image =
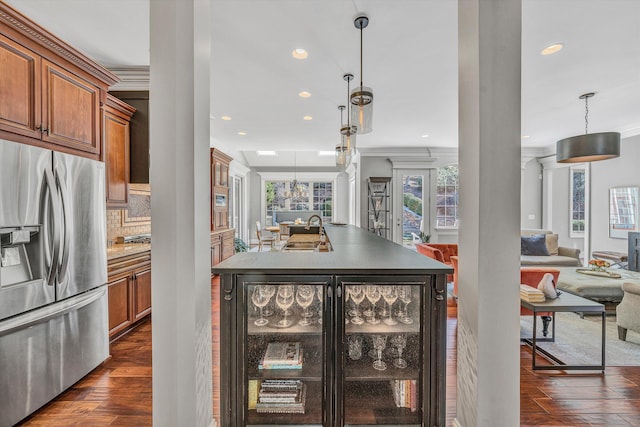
<point x="329" y="351"/>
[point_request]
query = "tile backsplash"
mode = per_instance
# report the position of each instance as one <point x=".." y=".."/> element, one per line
<point x="116" y="229"/>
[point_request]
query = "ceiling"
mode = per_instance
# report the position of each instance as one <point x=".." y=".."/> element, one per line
<point x="410" y="61"/>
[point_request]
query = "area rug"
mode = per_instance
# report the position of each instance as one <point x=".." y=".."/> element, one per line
<point x="578" y="340"/>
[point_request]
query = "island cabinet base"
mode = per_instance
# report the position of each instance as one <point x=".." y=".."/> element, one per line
<point x="332" y="349"/>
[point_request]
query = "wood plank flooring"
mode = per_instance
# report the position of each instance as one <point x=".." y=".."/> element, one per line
<point x="118" y="393"/>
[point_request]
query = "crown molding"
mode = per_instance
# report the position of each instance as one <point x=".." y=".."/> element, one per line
<point x="131" y="78"/>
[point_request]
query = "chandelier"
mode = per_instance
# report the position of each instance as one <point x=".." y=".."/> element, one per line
<point x="362" y="96"/>
<point x="589" y="147"/>
<point x="296" y="189"/>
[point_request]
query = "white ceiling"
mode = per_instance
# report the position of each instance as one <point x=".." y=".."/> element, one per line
<point x="410" y="61"/>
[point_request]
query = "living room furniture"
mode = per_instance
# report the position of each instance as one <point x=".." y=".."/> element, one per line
<point x="605" y="290"/>
<point x="559" y="256"/>
<point x="440" y="252"/>
<point x="566" y="302"/>
<point x="532" y="276"/>
<point x="454" y="264"/>
<point x="618" y="259"/>
<point x="634" y="252"/>
<point x="628" y="311"/>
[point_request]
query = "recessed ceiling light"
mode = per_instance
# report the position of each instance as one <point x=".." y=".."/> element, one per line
<point x="226" y="118"/>
<point x="551" y="49"/>
<point x="326" y="153"/>
<point x="266" y="153"/>
<point x="242" y="133"/>
<point x="307" y="118"/>
<point x="304" y="94"/>
<point x="424" y="136"/>
<point x="299" y="53"/>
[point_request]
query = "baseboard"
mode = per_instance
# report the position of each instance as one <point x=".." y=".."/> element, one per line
<point x="456" y="423"/>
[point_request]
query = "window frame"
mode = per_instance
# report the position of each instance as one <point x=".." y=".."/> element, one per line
<point x="574" y="170"/>
<point x="437" y="226"/>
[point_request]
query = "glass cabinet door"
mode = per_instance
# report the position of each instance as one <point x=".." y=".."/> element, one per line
<point x="285" y="352"/>
<point x="382" y="353"/>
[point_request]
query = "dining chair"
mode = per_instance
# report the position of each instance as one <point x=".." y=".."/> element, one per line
<point x="264" y="237"/>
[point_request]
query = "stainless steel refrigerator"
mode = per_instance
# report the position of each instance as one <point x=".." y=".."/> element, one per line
<point x="53" y="274"/>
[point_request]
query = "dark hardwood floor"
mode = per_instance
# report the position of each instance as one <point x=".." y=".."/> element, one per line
<point x="118" y="392"/>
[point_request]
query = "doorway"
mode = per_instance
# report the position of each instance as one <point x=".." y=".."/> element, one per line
<point x="410" y="205"/>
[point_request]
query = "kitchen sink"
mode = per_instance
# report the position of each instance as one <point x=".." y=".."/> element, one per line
<point x="306" y="247"/>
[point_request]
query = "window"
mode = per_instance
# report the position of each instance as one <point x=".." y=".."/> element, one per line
<point x="447" y="197"/>
<point x="295" y="196"/>
<point x="577" y="201"/>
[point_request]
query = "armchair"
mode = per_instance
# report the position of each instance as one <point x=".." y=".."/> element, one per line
<point x="628" y="311"/>
<point x="531" y="276"/>
<point x="440" y="252"/>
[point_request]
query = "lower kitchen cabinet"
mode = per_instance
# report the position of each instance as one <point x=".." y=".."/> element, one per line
<point x="129" y="291"/>
<point x="222" y="245"/>
<point x="331" y="350"/>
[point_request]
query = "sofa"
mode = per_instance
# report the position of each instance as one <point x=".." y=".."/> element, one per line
<point x="558" y="256"/>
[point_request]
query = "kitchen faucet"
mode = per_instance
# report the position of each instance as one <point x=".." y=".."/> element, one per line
<point x="309" y="222"/>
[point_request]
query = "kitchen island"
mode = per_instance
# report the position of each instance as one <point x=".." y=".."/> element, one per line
<point x="352" y="336"/>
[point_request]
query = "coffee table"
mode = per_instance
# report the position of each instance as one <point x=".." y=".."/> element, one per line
<point x="566" y="302"/>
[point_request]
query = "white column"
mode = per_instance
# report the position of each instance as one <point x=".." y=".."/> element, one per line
<point x="181" y="289"/>
<point x="489" y="151"/>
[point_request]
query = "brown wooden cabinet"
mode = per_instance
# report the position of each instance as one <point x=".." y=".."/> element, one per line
<point x="139" y="143"/>
<point x="222" y="245"/>
<point x="115" y="129"/>
<point x="50" y="94"/>
<point x="129" y="291"/>
<point x="219" y="190"/>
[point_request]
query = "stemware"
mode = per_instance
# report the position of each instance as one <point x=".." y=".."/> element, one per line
<point x="400" y="341"/>
<point x="271" y="291"/>
<point x="260" y="297"/>
<point x="390" y="295"/>
<point x="404" y="295"/>
<point x="284" y="300"/>
<point x="373" y="295"/>
<point x="356" y="293"/>
<point x="379" y="343"/>
<point x="304" y="298"/>
<point x="321" y="299"/>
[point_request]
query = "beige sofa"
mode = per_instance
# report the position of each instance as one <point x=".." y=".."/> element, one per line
<point x="628" y="311"/>
<point x="559" y="256"/>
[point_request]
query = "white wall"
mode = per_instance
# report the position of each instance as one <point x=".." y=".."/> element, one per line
<point x="621" y="172"/>
<point x="531" y="195"/>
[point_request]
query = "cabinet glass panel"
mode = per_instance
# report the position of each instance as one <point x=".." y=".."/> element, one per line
<point x="382" y="357"/>
<point x="285" y="353"/>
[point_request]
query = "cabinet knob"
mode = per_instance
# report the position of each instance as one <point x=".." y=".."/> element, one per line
<point x="439" y="297"/>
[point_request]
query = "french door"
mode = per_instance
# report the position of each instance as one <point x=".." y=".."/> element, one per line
<point x="410" y="205"/>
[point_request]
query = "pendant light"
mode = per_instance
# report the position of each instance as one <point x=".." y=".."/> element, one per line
<point x="343" y="156"/>
<point x="295" y="190"/>
<point x="589" y="147"/>
<point x="362" y="96"/>
<point x="348" y="131"/>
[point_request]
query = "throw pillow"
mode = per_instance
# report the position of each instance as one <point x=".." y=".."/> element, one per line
<point x="552" y="243"/>
<point x="533" y="245"/>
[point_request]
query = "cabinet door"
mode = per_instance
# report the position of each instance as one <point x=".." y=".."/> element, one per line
<point x="142" y="294"/>
<point x="216" y="252"/>
<point x="70" y="110"/>
<point x="285" y="351"/>
<point x="116" y="141"/>
<point x="120" y="310"/>
<point x="382" y="357"/>
<point x="19" y="89"/>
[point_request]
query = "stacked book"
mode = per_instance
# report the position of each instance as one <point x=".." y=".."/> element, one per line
<point x="405" y="394"/>
<point x="531" y="294"/>
<point x="281" y="397"/>
<point x="282" y="355"/>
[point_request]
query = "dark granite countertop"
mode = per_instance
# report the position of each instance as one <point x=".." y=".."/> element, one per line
<point x="355" y="251"/>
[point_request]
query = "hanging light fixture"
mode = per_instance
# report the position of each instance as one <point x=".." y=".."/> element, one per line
<point x="296" y="190"/>
<point x="348" y="131"/>
<point x="589" y="147"/>
<point x="362" y="96"/>
<point x="343" y="156"/>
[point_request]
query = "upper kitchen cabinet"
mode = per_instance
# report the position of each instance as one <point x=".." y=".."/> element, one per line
<point x="116" y="126"/>
<point x="51" y="95"/>
<point x="139" y="146"/>
<point x="219" y="190"/>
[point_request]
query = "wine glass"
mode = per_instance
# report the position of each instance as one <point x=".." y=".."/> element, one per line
<point x="260" y="298"/>
<point x="356" y="293"/>
<point x="271" y="291"/>
<point x="390" y="295"/>
<point x="400" y="341"/>
<point x="320" y="290"/>
<point x="304" y="298"/>
<point x="379" y="343"/>
<point x="373" y="295"/>
<point x="404" y="295"/>
<point x="284" y="300"/>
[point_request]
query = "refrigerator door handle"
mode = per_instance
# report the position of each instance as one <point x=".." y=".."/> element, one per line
<point x="51" y="250"/>
<point x="63" y="270"/>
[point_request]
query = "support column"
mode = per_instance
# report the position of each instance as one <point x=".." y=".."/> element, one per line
<point x="181" y="287"/>
<point x="489" y="162"/>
